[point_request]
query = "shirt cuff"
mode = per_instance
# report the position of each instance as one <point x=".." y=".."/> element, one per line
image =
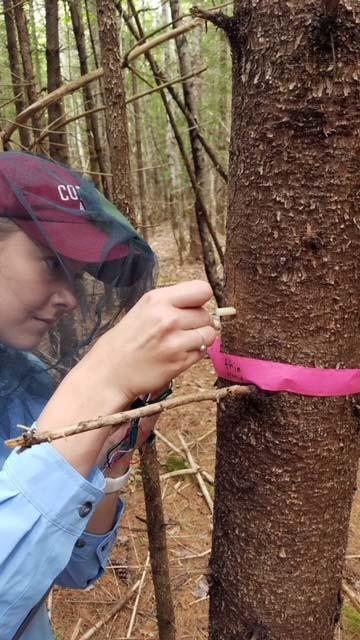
<point x="102" y="544"/>
<point x="54" y="487"/>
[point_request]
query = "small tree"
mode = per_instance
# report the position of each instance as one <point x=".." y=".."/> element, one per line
<point x="286" y="465"/>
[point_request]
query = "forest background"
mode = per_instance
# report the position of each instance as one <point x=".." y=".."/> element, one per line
<point x="178" y="113"/>
<point x="46" y="45"/>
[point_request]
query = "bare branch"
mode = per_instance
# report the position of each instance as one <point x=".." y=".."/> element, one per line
<point x="217" y="18"/>
<point x="199" y="478"/>
<point x="138" y="96"/>
<point x="174" y="33"/>
<point x="120" y="605"/>
<point x="31" y="437"/>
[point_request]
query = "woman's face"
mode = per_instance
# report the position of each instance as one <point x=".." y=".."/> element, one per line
<point x="34" y="290"/>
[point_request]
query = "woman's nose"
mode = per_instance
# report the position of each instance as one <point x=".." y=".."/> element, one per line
<point x="65" y="297"/>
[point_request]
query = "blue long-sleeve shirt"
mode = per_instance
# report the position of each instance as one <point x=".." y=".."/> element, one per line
<point x="45" y="506"/>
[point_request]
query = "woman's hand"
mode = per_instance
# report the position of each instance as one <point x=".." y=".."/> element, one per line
<point x="159" y="338"/>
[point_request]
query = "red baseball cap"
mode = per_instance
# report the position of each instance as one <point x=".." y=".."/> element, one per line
<point x="61" y="210"/>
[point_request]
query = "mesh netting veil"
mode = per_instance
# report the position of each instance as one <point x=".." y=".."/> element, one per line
<point x="65" y="213"/>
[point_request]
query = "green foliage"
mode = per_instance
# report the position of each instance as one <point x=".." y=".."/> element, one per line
<point x="175" y="463"/>
<point x="351" y="619"/>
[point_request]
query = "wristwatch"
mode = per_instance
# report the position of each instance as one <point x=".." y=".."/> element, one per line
<point x="112" y="485"/>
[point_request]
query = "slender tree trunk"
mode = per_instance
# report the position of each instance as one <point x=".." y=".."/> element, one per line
<point x="32" y="93"/>
<point x="209" y="258"/>
<point x="174" y="183"/>
<point x="97" y="157"/>
<point x="15" y="68"/>
<point x="116" y="119"/>
<point x="140" y="163"/>
<point x="58" y="139"/>
<point x="286" y="465"/>
<point x="123" y="197"/>
<point x="34" y="35"/>
<point x="197" y="150"/>
<point x="190" y="102"/>
<point x="156" y="527"/>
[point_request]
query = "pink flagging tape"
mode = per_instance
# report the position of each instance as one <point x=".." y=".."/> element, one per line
<point x="274" y="376"/>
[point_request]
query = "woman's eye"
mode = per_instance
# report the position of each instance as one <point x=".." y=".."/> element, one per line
<point x="54" y="265"/>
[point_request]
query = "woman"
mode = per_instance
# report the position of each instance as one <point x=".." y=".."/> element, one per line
<point x="59" y="512"/>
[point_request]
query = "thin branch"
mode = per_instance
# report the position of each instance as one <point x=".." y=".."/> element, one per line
<point x="217" y="18"/>
<point x="30" y="438"/>
<point x="166" y="84"/>
<point x="179" y="472"/>
<point x="168" y="443"/>
<point x="136" y="603"/>
<point x="120" y="605"/>
<point x="74" y="85"/>
<point x="351" y="595"/>
<point x="160" y="76"/>
<point x="199" y="478"/>
<point x="76" y="631"/>
<point x="50" y="98"/>
<point x="173" y="33"/>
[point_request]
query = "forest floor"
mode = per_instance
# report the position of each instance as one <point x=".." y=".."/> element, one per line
<point x="188" y="523"/>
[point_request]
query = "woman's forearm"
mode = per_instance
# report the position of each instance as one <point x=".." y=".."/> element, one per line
<point x="79" y="398"/>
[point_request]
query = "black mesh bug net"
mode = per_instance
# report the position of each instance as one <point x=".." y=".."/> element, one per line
<point x="60" y="210"/>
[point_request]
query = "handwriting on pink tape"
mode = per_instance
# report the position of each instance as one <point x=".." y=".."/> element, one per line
<point x="275" y="376"/>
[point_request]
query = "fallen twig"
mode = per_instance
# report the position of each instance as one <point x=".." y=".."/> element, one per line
<point x="207" y="477"/>
<point x="179" y="472"/>
<point x="76" y="631"/>
<point x="32" y="437"/>
<point x="168" y="443"/>
<point x="140" y="584"/>
<point x="120" y="605"/>
<point x="193" y="465"/>
<point x="351" y="595"/>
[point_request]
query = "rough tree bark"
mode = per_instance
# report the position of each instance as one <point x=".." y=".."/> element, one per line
<point x="115" y="100"/>
<point x="286" y="465"/>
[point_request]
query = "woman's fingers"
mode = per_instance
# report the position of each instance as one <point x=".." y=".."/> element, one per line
<point x="188" y="294"/>
<point x="193" y="318"/>
<point x="196" y="338"/>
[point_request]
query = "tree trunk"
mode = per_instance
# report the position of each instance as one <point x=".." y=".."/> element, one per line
<point x="208" y="253"/>
<point x="15" y="69"/>
<point x="116" y="119"/>
<point x="174" y="181"/>
<point x="189" y="99"/>
<point x="37" y="119"/>
<point x="286" y="465"/>
<point x="97" y="157"/>
<point x="198" y="156"/>
<point x="156" y="529"/>
<point x="58" y="139"/>
<point x="143" y="217"/>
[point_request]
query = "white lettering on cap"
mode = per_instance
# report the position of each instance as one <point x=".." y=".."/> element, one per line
<point x="70" y="192"/>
